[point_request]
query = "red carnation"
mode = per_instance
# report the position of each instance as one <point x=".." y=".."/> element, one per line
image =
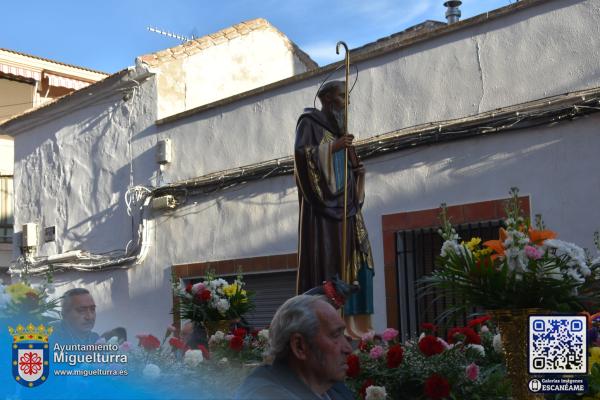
<point x="188" y="287"/>
<point x="363" y="389"/>
<point x="452" y="333"/>
<point x="430" y="346"/>
<point x="437" y="387"/>
<point x="472" y="336"/>
<point x="467" y="335"/>
<point x="149" y="342"/>
<point x="364" y="346"/>
<point x="353" y="366"/>
<point x="478" y="321"/>
<point x="178" y="343"/>
<point x="236" y="343"/>
<point x="204" y="295"/>
<point x="394" y="356"/>
<point x="241" y="332"/>
<point x="428" y="327"/>
<point x="204" y="351"/>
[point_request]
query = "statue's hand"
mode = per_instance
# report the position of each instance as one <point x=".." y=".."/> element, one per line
<point x="359" y="171"/>
<point x="342" y="142"/>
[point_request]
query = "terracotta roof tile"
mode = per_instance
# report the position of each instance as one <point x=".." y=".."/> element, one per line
<point x="214" y="39"/>
<point x="232" y="35"/>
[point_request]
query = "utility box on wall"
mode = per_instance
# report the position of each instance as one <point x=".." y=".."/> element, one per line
<point x="30" y="235"/>
<point x="163" y="151"/>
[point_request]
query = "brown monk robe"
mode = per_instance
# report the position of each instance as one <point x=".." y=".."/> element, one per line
<point x="319" y="169"/>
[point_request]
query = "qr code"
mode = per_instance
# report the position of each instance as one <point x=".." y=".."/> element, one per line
<point x="557" y="345"/>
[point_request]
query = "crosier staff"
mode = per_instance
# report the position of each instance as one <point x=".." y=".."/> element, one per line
<point x="345" y="271"/>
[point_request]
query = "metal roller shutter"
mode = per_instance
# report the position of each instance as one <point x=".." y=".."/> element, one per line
<point x="271" y="289"/>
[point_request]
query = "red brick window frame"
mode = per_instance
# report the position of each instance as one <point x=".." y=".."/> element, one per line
<point x="252" y="265"/>
<point x="459" y="214"/>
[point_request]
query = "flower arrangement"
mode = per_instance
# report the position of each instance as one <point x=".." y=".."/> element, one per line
<point x="214" y="299"/>
<point x="466" y="366"/>
<point x="526" y="267"/>
<point x="217" y="373"/>
<point x="30" y="303"/>
<point x="240" y="345"/>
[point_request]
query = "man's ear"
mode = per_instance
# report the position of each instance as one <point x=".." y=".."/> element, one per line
<point x="299" y="346"/>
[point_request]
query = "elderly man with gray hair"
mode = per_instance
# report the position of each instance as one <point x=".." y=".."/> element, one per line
<point x="309" y="350"/>
<point x="78" y="318"/>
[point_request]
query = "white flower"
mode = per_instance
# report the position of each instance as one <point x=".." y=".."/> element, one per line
<point x="192" y="358"/>
<point x="449" y="247"/>
<point x="497" y="343"/>
<point x="223" y="306"/>
<point x="421" y="336"/>
<point x="477" y="347"/>
<point x="151" y="371"/>
<point x="216" y="337"/>
<point x="375" y="393"/>
<point x="578" y="266"/>
<point x="113" y="340"/>
<point x="263" y="334"/>
<point x="485" y="329"/>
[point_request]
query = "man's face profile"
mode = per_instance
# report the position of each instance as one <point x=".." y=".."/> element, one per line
<point x="337" y="98"/>
<point x="334" y="102"/>
<point x="330" y="346"/>
<point x="80" y="314"/>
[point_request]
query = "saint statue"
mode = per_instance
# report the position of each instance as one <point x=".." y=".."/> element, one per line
<point x="319" y="155"/>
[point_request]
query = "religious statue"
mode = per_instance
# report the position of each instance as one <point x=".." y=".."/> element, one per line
<point x="319" y="156"/>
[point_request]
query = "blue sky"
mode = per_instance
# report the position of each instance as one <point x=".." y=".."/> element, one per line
<point x="107" y="35"/>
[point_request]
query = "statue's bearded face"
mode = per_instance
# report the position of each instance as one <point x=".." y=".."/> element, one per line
<point x="338" y="100"/>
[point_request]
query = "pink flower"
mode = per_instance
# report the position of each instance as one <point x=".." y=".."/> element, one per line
<point x="368" y="336"/>
<point x="198" y="287"/>
<point x="125" y="346"/>
<point x="472" y="371"/>
<point x="532" y="252"/>
<point x="389" y="334"/>
<point x="376" y="352"/>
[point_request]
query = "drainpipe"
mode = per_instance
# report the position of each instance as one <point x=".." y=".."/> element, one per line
<point x="453" y="12"/>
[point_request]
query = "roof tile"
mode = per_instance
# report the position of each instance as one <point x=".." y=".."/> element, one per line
<point x="243" y="28"/>
<point x="232" y="35"/>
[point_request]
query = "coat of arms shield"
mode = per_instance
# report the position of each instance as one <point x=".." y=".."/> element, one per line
<point x="30" y="355"/>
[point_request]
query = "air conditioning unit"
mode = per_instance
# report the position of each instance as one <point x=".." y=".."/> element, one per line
<point x="30" y="235"/>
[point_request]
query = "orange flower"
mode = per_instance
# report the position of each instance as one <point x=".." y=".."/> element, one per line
<point x="497" y="245"/>
<point x="538" y="237"/>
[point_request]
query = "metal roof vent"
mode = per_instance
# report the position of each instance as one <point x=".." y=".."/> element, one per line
<point x="453" y="12"/>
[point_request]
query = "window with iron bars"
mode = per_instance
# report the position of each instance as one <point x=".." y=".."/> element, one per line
<point x="416" y="254"/>
<point x="6" y="209"/>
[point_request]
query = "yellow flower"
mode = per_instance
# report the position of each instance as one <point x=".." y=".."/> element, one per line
<point x="482" y="253"/>
<point x="230" y="290"/>
<point x="473" y="243"/>
<point x="594" y="355"/>
<point x="18" y="291"/>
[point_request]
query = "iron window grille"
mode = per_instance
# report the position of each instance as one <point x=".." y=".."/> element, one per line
<point x="416" y="253"/>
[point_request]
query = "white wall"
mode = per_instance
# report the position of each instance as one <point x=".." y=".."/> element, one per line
<point x="246" y="62"/>
<point x="79" y="164"/>
<point x="6" y="168"/>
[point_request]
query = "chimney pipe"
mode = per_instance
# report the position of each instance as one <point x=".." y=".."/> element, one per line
<point x="453" y="12"/>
